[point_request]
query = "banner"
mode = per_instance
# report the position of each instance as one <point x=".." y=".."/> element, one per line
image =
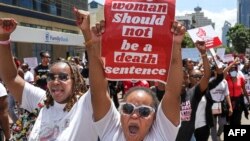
<point x="207" y="34"/>
<point x="137" y="43"/>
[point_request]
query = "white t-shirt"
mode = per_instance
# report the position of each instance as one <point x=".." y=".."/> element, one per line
<point x="220" y="91"/>
<point x="28" y="76"/>
<point x="3" y="91"/>
<point x="54" y="124"/>
<point x="200" y="119"/>
<point x="109" y="127"/>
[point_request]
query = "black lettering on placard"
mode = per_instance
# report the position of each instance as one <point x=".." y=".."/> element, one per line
<point x="239" y="132"/>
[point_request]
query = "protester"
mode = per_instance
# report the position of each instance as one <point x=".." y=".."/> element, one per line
<point x="28" y="76"/>
<point x="4" y="119"/>
<point x="149" y="122"/>
<point x="188" y="64"/>
<point x="237" y="91"/>
<point x="67" y="108"/>
<point x="190" y="98"/>
<point x="220" y="94"/>
<point x="41" y="71"/>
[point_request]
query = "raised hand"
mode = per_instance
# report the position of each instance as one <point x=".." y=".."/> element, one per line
<point x="82" y="19"/>
<point x="179" y="31"/>
<point x="7" y="26"/>
<point x="97" y="31"/>
<point x="200" y="45"/>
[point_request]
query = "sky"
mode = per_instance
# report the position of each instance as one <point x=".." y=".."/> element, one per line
<point x="218" y="11"/>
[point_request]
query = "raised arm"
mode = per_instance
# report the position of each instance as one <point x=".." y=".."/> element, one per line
<point x="171" y="99"/>
<point x="8" y="70"/>
<point x="200" y="45"/>
<point x="225" y="71"/>
<point x="101" y="101"/>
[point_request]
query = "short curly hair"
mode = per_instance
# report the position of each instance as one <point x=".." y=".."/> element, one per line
<point x="79" y="87"/>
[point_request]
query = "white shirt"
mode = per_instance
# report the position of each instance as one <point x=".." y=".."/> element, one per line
<point x="109" y="127"/>
<point x="200" y="119"/>
<point x="28" y="76"/>
<point x="54" y="124"/>
<point x="3" y="91"/>
<point x="220" y="91"/>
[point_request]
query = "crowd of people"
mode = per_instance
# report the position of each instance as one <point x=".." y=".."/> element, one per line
<point x="66" y="101"/>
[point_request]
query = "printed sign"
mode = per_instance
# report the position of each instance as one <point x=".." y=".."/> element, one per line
<point x="207" y="34"/>
<point x="137" y="42"/>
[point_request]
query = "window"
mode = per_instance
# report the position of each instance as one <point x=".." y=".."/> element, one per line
<point x="7" y="1"/>
<point x="26" y="4"/>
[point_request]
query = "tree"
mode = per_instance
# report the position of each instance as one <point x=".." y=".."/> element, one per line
<point x="239" y="37"/>
<point x="187" y="42"/>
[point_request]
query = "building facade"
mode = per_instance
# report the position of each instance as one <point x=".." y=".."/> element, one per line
<point x="49" y="15"/>
<point x="97" y="11"/>
<point x="194" y="20"/>
<point x="225" y="29"/>
<point x="243" y="14"/>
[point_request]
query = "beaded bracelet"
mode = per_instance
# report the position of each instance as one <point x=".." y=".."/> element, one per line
<point x="7" y="42"/>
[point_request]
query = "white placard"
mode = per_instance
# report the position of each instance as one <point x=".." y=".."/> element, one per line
<point x="207" y="34"/>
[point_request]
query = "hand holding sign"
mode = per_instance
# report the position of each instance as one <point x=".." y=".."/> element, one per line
<point x="207" y="34"/>
<point x="200" y="45"/>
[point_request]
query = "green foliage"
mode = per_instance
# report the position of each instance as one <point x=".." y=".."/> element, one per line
<point x="239" y="37"/>
<point x="187" y="42"/>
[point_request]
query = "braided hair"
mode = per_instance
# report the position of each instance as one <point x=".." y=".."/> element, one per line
<point x="78" y="87"/>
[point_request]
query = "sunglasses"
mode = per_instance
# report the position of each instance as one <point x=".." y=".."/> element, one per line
<point x="196" y="76"/>
<point x="143" y="110"/>
<point x="61" y="76"/>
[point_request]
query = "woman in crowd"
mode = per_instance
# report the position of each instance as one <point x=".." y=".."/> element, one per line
<point x="67" y="111"/>
<point x="236" y="85"/>
<point x="190" y="98"/>
<point x="140" y="117"/>
<point x="219" y="95"/>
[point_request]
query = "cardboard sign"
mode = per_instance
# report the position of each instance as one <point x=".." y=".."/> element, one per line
<point x="207" y="34"/>
<point x="137" y="42"/>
